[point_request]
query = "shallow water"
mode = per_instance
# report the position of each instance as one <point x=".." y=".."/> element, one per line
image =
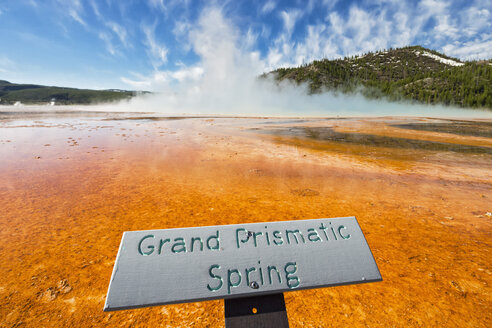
<point x="71" y="184"/>
<point x="477" y="129"/>
<point x="371" y="140"/>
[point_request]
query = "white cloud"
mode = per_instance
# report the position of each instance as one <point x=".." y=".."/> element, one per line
<point x="310" y="5"/>
<point x="445" y="28"/>
<point x="311" y="45"/>
<point x="290" y="18"/>
<point x="337" y="24"/>
<point x="274" y="58"/>
<point x="158" y="4"/>
<point x="250" y="38"/>
<point x="140" y="85"/>
<point x="475" y="20"/>
<point x="376" y="25"/>
<point x="108" y="42"/>
<point x="168" y="5"/>
<point x="181" y="30"/>
<point x="32" y="3"/>
<point x="75" y="15"/>
<point x="360" y="23"/>
<point x="329" y="3"/>
<point x="471" y="50"/>
<point x="281" y="53"/>
<point x="265" y="31"/>
<point x="160" y="80"/>
<point x="433" y="7"/>
<point x="95" y="9"/>
<point x="403" y="29"/>
<point x="156" y="51"/>
<point x="360" y="31"/>
<point x="120" y="31"/>
<point x="74" y="9"/>
<point x="268" y="7"/>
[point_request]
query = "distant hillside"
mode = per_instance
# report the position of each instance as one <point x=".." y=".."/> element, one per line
<point x="11" y="93"/>
<point x="412" y="73"/>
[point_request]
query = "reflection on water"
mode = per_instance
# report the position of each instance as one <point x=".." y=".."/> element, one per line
<point x="370" y="140"/>
<point x="477" y="129"/>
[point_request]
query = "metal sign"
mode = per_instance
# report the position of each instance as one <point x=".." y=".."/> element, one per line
<point x="157" y="267"/>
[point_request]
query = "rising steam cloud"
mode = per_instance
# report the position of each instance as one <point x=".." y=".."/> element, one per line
<point x="225" y="82"/>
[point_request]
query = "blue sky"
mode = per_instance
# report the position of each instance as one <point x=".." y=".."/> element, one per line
<point x="149" y="44"/>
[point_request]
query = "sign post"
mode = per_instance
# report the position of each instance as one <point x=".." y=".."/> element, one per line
<point x="256" y="311"/>
<point x="248" y="265"/>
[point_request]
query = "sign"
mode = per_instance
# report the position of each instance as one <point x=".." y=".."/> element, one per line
<point x="157" y="267"/>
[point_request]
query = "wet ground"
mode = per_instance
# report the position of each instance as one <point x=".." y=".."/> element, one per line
<point x="421" y="189"/>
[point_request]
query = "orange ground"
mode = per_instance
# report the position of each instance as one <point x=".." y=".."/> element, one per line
<point x="70" y="186"/>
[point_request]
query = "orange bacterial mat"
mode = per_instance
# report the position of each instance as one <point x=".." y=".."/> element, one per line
<point x="71" y="185"/>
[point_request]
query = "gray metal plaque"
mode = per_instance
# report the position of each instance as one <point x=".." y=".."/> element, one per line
<point x="157" y="267"/>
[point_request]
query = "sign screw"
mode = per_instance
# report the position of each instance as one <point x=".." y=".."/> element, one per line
<point x="254" y="285"/>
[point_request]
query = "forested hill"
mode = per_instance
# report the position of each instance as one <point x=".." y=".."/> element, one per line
<point x="412" y="73"/>
<point x="11" y="93"/>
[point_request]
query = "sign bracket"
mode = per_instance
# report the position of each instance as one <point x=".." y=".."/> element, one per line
<point x="256" y="311"/>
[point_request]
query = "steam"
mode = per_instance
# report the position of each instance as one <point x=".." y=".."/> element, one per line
<point x="225" y="82"/>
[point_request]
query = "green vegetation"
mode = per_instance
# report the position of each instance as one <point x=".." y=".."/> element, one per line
<point x="10" y="93"/>
<point x="410" y="73"/>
